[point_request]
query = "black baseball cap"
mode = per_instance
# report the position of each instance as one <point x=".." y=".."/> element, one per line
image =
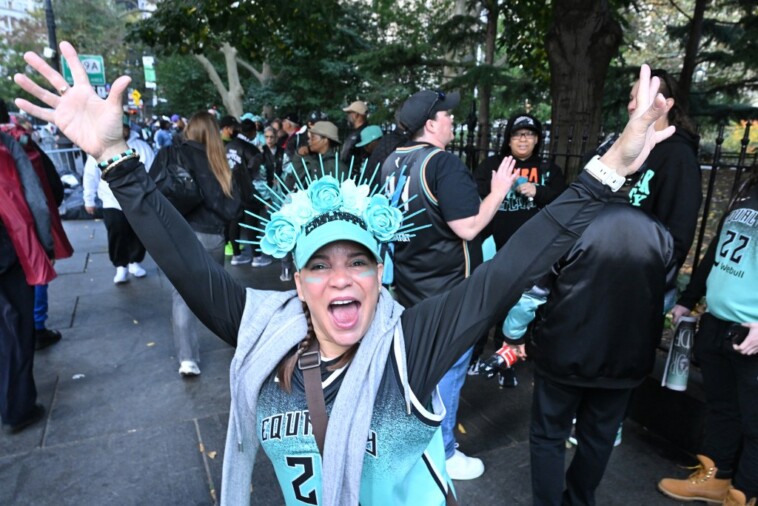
<point x="228" y="121"/>
<point x="292" y="117"/>
<point x="526" y="122"/>
<point x="423" y="105"/>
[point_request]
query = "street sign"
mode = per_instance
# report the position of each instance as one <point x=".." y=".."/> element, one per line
<point x="94" y="66"/>
<point x="148" y="63"/>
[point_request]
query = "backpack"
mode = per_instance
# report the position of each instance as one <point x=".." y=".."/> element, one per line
<point x="176" y="182"/>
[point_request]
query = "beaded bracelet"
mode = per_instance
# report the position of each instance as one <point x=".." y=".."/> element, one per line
<point x="110" y="161"/>
<point x="119" y="161"/>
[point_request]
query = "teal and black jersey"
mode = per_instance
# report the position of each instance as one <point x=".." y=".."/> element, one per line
<point x="731" y="286"/>
<point x="401" y="465"/>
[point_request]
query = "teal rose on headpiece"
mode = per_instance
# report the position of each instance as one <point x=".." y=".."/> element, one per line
<point x="280" y="236"/>
<point x="325" y="194"/>
<point x="382" y="219"/>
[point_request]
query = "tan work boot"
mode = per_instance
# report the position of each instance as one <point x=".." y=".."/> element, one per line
<point x="702" y="485"/>
<point x="736" y="498"/>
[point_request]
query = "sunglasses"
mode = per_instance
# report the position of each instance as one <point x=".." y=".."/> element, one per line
<point x="439" y="98"/>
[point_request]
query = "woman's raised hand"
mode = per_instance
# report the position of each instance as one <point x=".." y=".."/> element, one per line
<point x="90" y="122"/>
<point x="639" y="136"/>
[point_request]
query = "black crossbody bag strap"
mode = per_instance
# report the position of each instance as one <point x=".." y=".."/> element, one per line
<point x="310" y="363"/>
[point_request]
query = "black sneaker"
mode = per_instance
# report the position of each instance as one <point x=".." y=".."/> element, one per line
<point x="37" y="413"/>
<point x="45" y="337"/>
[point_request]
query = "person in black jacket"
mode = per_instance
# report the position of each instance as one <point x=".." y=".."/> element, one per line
<point x="669" y="187"/>
<point x="267" y="171"/>
<point x="204" y="154"/>
<point x="540" y="183"/>
<point x="590" y="347"/>
<point x="241" y="155"/>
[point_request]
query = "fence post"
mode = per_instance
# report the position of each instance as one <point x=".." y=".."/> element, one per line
<point x="470" y="148"/>
<point x="708" y="197"/>
<point x="741" y="160"/>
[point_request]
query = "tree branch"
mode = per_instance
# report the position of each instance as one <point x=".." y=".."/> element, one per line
<point x="264" y="76"/>
<point x="675" y="6"/>
<point x="211" y="71"/>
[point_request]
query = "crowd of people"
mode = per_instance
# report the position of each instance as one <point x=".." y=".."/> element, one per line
<point x="393" y="302"/>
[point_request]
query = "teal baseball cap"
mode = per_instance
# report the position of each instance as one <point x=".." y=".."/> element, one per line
<point x="332" y="227"/>
<point x="369" y="135"/>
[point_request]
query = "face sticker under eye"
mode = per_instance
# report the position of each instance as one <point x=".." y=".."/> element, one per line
<point x="312" y="280"/>
<point x="367" y="273"/>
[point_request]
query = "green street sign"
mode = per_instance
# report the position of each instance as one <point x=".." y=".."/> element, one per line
<point x="94" y="66"/>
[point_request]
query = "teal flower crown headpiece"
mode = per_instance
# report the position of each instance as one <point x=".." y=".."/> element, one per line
<point x="351" y="209"/>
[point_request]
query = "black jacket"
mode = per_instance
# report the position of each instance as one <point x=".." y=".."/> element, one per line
<point x="217" y="210"/>
<point x="516" y="209"/>
<point x="669" y="186"/>
<point x="352" y="153"/>
<point x="602" y="321"/>
<point x="241" y="155"/>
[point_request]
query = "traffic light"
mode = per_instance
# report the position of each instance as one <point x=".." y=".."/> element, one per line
<point x="136" y="96"/>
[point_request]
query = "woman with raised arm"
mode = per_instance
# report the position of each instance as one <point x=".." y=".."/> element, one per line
<point x="366" y="428"/>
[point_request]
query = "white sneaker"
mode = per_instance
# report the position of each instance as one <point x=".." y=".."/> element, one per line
<point x="136" y="270"/>
<point x="189" y="368"/>
<point x="462" y="467"/>
<point x="122" y="275"/>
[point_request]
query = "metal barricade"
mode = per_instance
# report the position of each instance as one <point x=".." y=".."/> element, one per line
<point x="68" y="160"/>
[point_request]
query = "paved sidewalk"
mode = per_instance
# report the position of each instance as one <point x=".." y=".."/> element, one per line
<point x="122" y="427"/>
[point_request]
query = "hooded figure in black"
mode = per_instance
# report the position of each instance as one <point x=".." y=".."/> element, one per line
<point x="669" y="187"/>
<point x="540" y="183"/>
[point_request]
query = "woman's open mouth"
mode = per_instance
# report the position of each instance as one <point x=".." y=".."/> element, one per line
<point x="344" y="313"/>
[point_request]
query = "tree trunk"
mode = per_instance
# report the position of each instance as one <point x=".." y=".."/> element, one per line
<point x="485" y="91"/>
<point x="231" y="97"/>
<point x="690" y="55"/>
<point x="580" y="44"/>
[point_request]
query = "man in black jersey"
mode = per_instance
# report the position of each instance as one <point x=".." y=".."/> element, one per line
<point x="445" y="253"/>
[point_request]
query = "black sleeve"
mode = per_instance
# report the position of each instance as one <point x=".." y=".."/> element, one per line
<point x="53" y="179"/>
<point x="440" y="329"/>
<point x="696" y="288"/>
<point x="556" y="183"/>
<point x="209" y="291"/>
<point x="678" y="199"/>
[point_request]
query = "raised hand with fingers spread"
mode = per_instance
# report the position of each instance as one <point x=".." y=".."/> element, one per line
<point x="90" y="122"/>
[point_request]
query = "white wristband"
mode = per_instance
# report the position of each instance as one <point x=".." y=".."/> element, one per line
<point x="604" y="174"/>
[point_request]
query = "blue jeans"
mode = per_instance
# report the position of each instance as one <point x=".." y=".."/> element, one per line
<point x="450" y="390"/>
<point x="40" y="306"/>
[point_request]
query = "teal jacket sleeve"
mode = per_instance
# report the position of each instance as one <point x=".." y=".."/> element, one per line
<point x="522" y="314"/>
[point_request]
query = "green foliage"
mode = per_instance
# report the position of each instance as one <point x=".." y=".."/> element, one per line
<point x="191" y="91"/>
